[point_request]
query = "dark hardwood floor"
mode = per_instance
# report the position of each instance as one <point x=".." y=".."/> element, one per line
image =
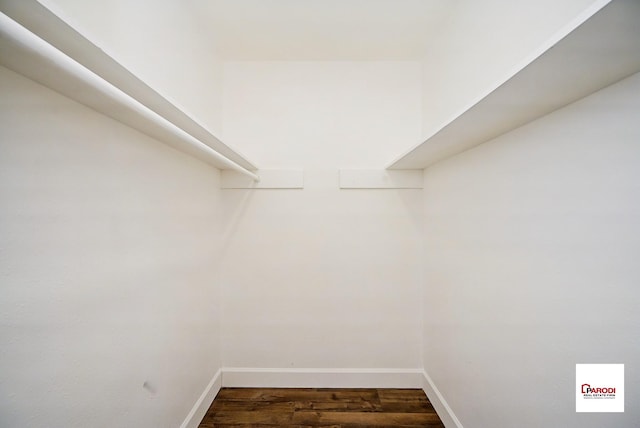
<point x="314" y="407"/>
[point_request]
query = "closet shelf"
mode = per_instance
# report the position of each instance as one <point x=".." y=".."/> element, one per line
<point x="108" y="92"/>
<point x="599" y="48"/>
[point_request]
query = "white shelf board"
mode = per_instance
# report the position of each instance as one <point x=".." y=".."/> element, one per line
<point x="598" y="49"/>
<point x="45" y="24"/>
<point x="269" y="179"/>
<point x="381" y="179"/>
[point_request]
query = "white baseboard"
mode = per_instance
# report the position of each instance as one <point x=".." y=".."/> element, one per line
<point x="447" y="416"/>
<point x="199" y="409"/>
<point x="321" y="378"/>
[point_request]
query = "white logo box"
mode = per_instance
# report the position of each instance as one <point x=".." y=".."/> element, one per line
<point x="599" y="388"/>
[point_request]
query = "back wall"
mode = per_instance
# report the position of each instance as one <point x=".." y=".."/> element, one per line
<point x="321" y="277"/>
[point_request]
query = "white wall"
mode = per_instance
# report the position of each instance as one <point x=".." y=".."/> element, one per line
<point x="162" y="43"/>
<point x="321" y="114"/>
<point x="108" y="243"/>
<point x="321" y="277"/>
<point x="478" y="46"/>
<point x="531" y="245"/>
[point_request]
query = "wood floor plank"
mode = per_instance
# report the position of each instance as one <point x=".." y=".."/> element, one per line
<point x="402" y="394"/>
<point x="339" y="406"/>
<point x="271" y="426"/>
<point x="364" y="418"/>
<point x="404" y="401"/>
<point x="293" y="394"/>
<point x="253" y="406"/>
<point x="320" y="408"/>
<point x="248" y="417"/>
<point x="409" y="407"/>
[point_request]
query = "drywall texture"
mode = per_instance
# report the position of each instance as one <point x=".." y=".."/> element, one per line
<point x="531" y="243"/>
<point x="479" y="46"/>
<point x="320" y="30"/>
<point x="161" y="42"/>
<point x="321" y="114"/>
<point x="109" y="309"/>
<point x="321" y="277"/>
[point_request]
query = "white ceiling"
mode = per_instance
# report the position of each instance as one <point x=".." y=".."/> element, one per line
<point x="320" y="29"/>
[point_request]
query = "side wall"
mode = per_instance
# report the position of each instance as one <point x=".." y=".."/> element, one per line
<point x="321" y="278"/>
<point x="109" y="313"/>
<point x="159" y="41"/>
<point x="480" y="43"/>
<point x="531" y="245"/>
